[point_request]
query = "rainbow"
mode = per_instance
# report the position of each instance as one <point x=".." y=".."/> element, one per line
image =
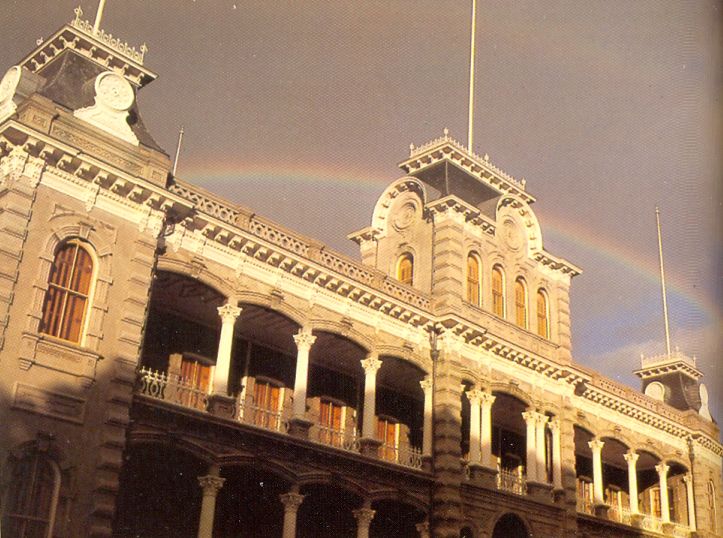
<point x="218" y="174"/>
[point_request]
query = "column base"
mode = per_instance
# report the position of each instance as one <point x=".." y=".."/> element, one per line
<point x="369" y="447"/>
<point x="601" y="510"/>
<point x="668" y="528"/>
<point x="481" y="475"/>
<point x="221" y="405"/>
<point x="299" y="427"/>
<point x="636" y="520"/>
<point x="558" y="495"/>
<point x="540" y="490"/>
<point x="427" y="464"/>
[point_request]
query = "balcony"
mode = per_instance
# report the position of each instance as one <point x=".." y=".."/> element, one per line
<point x="175" y="390"/>
<point x="512" y="480"/>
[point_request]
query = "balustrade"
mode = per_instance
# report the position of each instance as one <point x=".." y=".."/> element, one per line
<point x="512" y="480"/>
<point x="325" y="435"/>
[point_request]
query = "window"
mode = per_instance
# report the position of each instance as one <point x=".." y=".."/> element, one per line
<point x="473" y="280"/>
<point x="655" y="502"/>
<point x="498" y="292"/>
<point x="387" y="433"/>
<point x="32" y="498"/>
<point x="520" y="303"/>
<point x="405" y="269"/>
<point x="194" y="383"/>
<point x="711" y="502"/>
<point x="331" y="420"/>
<point x="267" y="404"/>
<point x="66" y="301"/>
<point x="543" y="318"/>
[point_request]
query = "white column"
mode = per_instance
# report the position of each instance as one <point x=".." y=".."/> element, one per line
<point x="304" y="340"/>
<point x="688" y="479"/>
<point x="486" y="432"/>
<point x="663" y="469"/>
<point x="228" y="313"/>
<point x="531" y="421"/>
<point x="363" y="518"/>
<point x="211" y="485"/>
<point x="474" y="397"/>
<point x="632" y="458"/>
<point x="426" y="384"/>
<point x="423" y="529"/>
<point x="596" y="446"/>
<point x="541" y="448"/>
<point x="291" y="502"/>
<point x="554" y="426"/>
<point x="371" y="365"/>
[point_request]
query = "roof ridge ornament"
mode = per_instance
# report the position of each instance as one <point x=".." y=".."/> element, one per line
<point x="94" y="30"/>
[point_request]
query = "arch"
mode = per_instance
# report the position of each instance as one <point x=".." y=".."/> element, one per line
<point x="380" y="216"/>
<point x="542" y="312"/>
<point x="343" y="330"/>
<point x="510" y="525"/>
<point x="513" y="391"/>
<point x="521" y="209"/>
<point x="521" y="309"/>
<point x="198" y="451"/>
<point x="268" y="301"/>
<point x="195" y="272"/>
<point x="617" y="436"/>
<point x="334" y="479"/>
<point x="474" y="279"/>
<point x="400" y="496"/>
<point x="405" y="268"/>
<point x="498" y="291"/>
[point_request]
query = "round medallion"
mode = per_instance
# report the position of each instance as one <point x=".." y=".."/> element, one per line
<point x="405" y="216"/>
<point x="511" y="234"/>
<point x="656" y="391"/>
<point x="9" y="83"/>
<point x="114" y="91"/>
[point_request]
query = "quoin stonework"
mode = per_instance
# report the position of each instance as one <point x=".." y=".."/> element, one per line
<point x="175" y="365"/>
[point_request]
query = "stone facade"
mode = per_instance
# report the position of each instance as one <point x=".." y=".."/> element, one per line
<point x="222" y="361"/>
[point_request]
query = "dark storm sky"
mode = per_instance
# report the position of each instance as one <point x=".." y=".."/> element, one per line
<point x="301" y="110"/>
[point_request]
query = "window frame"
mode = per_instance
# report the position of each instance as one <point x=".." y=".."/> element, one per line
<point x="68" y="291"/>
<point x="521" y="307"/>
<point x="477" y="283"/>
<point x="542" y="293"/>
<point x="499" y="297"/>
<point x="405" y="257"/>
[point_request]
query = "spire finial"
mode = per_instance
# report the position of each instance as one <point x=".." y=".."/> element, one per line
<point x="98" y="16"/>
<point x="662" y="282"/>
<point x="470" y="132"/>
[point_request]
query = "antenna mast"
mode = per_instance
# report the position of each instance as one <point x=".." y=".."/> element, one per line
<point x="178" y="151"/>
<point x="98" y="16"/>
<point x="662" y="283"/>
<point x="471" y="77"/>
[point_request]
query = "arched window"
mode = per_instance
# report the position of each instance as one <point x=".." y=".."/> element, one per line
<point x="520" y="303"/>
<point x="498" y="292"/>
<point x="543" y="314"/>
<point x="473" y="280"/>
<point x="405" y="269"/>
<point x="32" y="497"/>
<point x="69" y="284"/>
<point x="712" y="508"/>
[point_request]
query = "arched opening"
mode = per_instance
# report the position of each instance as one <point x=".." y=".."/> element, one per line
<point x="521" y="303"/>
<point x="510" y="526"/>
<point x="405" y="269"/>
<point x="616" y="482"/>
<point x="584" y="470"/>
<point x="159" y="493"/>
<point x="327" y="512"/>
<point x="498" y="291"/>
<point x="543" y="314"/>
<point x="394" y="518"/>
<point x="509" y="442"/>
<point x="474" y="280"/>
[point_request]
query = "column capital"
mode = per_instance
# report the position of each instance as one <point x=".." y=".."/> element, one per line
<point x="596" y="445"/>
<point x="229" y="312"/>
<point x="530" y="417"/>
<point x="662" y="469"/>
<point x="364" y="516"/>
<point x="474" y="396"/>
<point x="371" y="364"/>
<point x="554" y="425"/>
<point x="426" y="384"/>
<point x="541" y="419"/>
<point x="304" y="340"/>
<point x="687" y="477"/>
<point x="422" y="528"/>
<point x="211" y="484"/>
<point x="291" y="501"/>
<point x="631" y="457"/>
<point x="487" y="398"/>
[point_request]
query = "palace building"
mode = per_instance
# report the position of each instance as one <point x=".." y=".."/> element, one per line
<point x="176" y="365"/>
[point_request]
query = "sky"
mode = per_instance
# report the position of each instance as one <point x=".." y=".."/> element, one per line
<point x="302" y="110"/>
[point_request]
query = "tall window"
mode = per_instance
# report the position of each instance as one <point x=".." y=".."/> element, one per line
<point x="473" y="280"/>
<point x="331" y="419"/>
<point x="387" y="429"/>
<point x="267" y="402"/>
<point x="195" y="382"/>
<point x="32" y="498"/>
<point x="520" y="303"/>
<point x="543" y="317"/>
<point x="66" y="301"/>
<point x="498" y="292"/>
<point x="712" y="502"/>
<point x="405" y="269"/>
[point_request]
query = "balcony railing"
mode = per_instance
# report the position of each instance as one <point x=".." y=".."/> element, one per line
<point x="408" y="456"/>
<point x="512" y="480"/>
<point x="171" y="388"/>
<point x="620" y="514"/>
<point x="651" y="523"/>
<point x="345" y="440"/>
<point x="261" y="417"/>
<point x="585" y="506"/>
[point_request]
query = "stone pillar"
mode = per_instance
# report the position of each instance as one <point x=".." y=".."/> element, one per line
<point x="426" y="385"/>
<point x="474" y="397"/>
<point x="541" y="462"/>
<point x="291" y="502"/>
<point x="364" y="516"/>
<point x="632" y="458"/>
<point x="663" y="469"/>
<point x="531" y="421"/>
<point x="369" y="442"/>
<point x="486" y="434"/>
<point x="298" y="424"/>
<point x="554" y="426"/>
<point x="423" y="529"/>
<point x="596" y="446"/>
<point x="688" y="479"/>
<point x="211" y="484"/>
<point x="219" y="402"/>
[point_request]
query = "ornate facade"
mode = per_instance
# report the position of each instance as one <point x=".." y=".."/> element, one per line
<point x="175" y="365"/>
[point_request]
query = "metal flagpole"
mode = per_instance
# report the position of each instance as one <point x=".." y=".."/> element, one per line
<point x="470" y="135"/>
<point x="662" y="282"/>
<point x="178" y="151"/>
<point x="98" y="16"/>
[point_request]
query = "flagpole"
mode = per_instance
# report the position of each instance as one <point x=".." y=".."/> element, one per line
<point x="470" y="135"/>
<point x="662" y="282"/>
<point x="98" y="16"/>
